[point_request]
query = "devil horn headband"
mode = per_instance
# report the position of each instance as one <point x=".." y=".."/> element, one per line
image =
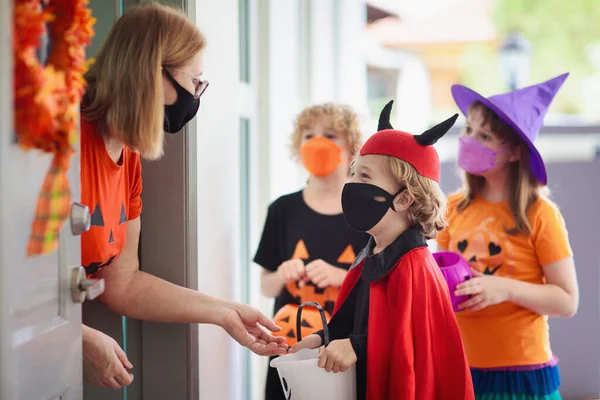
<point x="433" y="134"/>
<point x="384" y="117"/>
<point x="427" y="138"/>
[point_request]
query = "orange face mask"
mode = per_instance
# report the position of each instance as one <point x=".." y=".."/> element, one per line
<point x="320" y="156"/>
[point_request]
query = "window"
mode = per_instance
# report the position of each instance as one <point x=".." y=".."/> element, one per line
<point x="473" y="45"/>
<point x="244" y="164"/>
<point x="244" y="29"/>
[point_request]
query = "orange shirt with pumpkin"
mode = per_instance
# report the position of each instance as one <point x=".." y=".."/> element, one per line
<point x="505" y="334"/>
<point x="113" y="194"/>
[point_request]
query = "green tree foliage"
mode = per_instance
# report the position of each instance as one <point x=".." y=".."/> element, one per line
<point x="562" y="33"/>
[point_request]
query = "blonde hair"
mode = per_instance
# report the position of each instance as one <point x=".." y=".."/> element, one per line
<point x="429" y="205"/>
<point x="125" y="84"/>
<point x="525" y="189"/>
<point x="343" y="118"/>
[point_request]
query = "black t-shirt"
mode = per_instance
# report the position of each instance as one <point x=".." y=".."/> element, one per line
<point x="293" y="230"/>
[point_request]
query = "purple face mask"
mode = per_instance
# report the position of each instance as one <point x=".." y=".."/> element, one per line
<point x="474" y="157"/>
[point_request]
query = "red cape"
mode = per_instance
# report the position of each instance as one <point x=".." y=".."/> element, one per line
<point x="414" y="348"/>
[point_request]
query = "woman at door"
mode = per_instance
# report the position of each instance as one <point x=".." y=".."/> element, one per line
<point x="144" y="82"/>
<point x="306" y="246"/>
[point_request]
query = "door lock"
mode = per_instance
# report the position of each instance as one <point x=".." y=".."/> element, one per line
<point x="81" y="219"/>
<point x="84" y="289"/>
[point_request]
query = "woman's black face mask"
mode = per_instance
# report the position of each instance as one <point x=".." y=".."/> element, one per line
<point x="178" y="114"/>
<point x="361" y="208"/>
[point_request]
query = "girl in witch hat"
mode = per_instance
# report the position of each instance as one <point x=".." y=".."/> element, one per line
<point x="516" y="242"/>
<point x="306" y="246"/>
<point x="393" y="316"/>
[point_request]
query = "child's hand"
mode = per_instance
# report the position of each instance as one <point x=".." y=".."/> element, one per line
<point x="338" y="356"/>
<point x="291" y="270"/>
<point x="323" y="274"/>
<point x="486" y="290"/>
<point x="309" y="342"/>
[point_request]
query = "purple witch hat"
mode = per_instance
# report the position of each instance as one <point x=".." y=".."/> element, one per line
<point x="523" y="110"/>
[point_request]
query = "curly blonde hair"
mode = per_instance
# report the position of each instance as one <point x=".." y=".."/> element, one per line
<point x="429" y="206"/>
<point x="343" y="119"/>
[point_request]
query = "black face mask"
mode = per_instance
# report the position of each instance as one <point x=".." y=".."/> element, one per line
<point x="178" y="114"/>
<point x="361" y="210"/>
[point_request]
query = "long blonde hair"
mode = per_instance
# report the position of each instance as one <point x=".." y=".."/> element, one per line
<point x="429" y="206"/>
<point x="125" y="95"/>
<point x="525" y="189"/>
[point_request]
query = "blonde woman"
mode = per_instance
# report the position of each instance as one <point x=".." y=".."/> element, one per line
<point x="144" y="82"/>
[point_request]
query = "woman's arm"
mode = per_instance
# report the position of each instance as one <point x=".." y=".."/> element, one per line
<point x="558" y="297"/>
<point x="139" y="295"/>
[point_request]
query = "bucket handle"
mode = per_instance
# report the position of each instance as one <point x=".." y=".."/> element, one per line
<point x="323" y="320"/>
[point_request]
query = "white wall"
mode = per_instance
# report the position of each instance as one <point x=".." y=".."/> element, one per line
<point x="218" y="190"/>
<point x="413" y="97"/>
<point x="316" y="54"/>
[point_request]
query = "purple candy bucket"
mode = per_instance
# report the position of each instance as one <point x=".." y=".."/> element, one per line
<point x="455" y="270"/>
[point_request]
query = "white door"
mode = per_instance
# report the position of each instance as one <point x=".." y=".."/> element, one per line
<point x="40" y="324"/>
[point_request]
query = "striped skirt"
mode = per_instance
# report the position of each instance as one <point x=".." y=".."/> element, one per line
<point x="531" y="382"/>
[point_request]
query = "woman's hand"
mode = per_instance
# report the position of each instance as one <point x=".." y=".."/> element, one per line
<point x="249" y="327"/>
<point x="338" y="356"/>
<point x="324" y="275"/>
<point x="309" y="342"/>
<point x="104" y="362"/>
<point x="485" y="290"/>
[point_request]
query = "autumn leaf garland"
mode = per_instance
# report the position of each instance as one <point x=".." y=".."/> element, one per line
<point x="47" y="97"/>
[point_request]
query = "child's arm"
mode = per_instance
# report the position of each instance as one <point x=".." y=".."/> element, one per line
<point x="559" y="296"/>
<point x="340" y="327"/>
<point x="338" y="356"/>
<point x="271" y="283"/>
<point x="359" y="345"/>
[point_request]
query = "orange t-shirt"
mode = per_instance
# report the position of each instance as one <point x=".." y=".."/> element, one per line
<point x="505" y="334"/>
<point x="113" y="194"/>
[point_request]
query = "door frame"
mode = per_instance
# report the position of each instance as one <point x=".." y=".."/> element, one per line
<point x="169" y="250"/>
<point x="7" y="382"/>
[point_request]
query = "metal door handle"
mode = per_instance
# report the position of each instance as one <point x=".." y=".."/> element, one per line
<point x="84" y="289"/>
<point x="80" y="219"/>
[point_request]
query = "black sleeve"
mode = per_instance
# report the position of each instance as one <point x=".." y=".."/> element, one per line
<point x="359" y="344"/>
<point x="341" y="324"/>
<point x="269" y="252"/>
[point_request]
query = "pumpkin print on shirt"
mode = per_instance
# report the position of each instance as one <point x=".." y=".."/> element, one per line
<point x="293" y="230"/>
<point x="108" y="231"/>
<point x="113" y="194"/>
<point x="487" y="250"/>
<point x="505" y="334"/>
<point x="309" y="292"/>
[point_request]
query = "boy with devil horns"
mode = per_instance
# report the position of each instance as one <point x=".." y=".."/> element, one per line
<point x="393" y="316"/>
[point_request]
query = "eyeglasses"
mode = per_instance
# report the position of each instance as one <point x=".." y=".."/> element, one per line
<point x="199" y="84"/>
